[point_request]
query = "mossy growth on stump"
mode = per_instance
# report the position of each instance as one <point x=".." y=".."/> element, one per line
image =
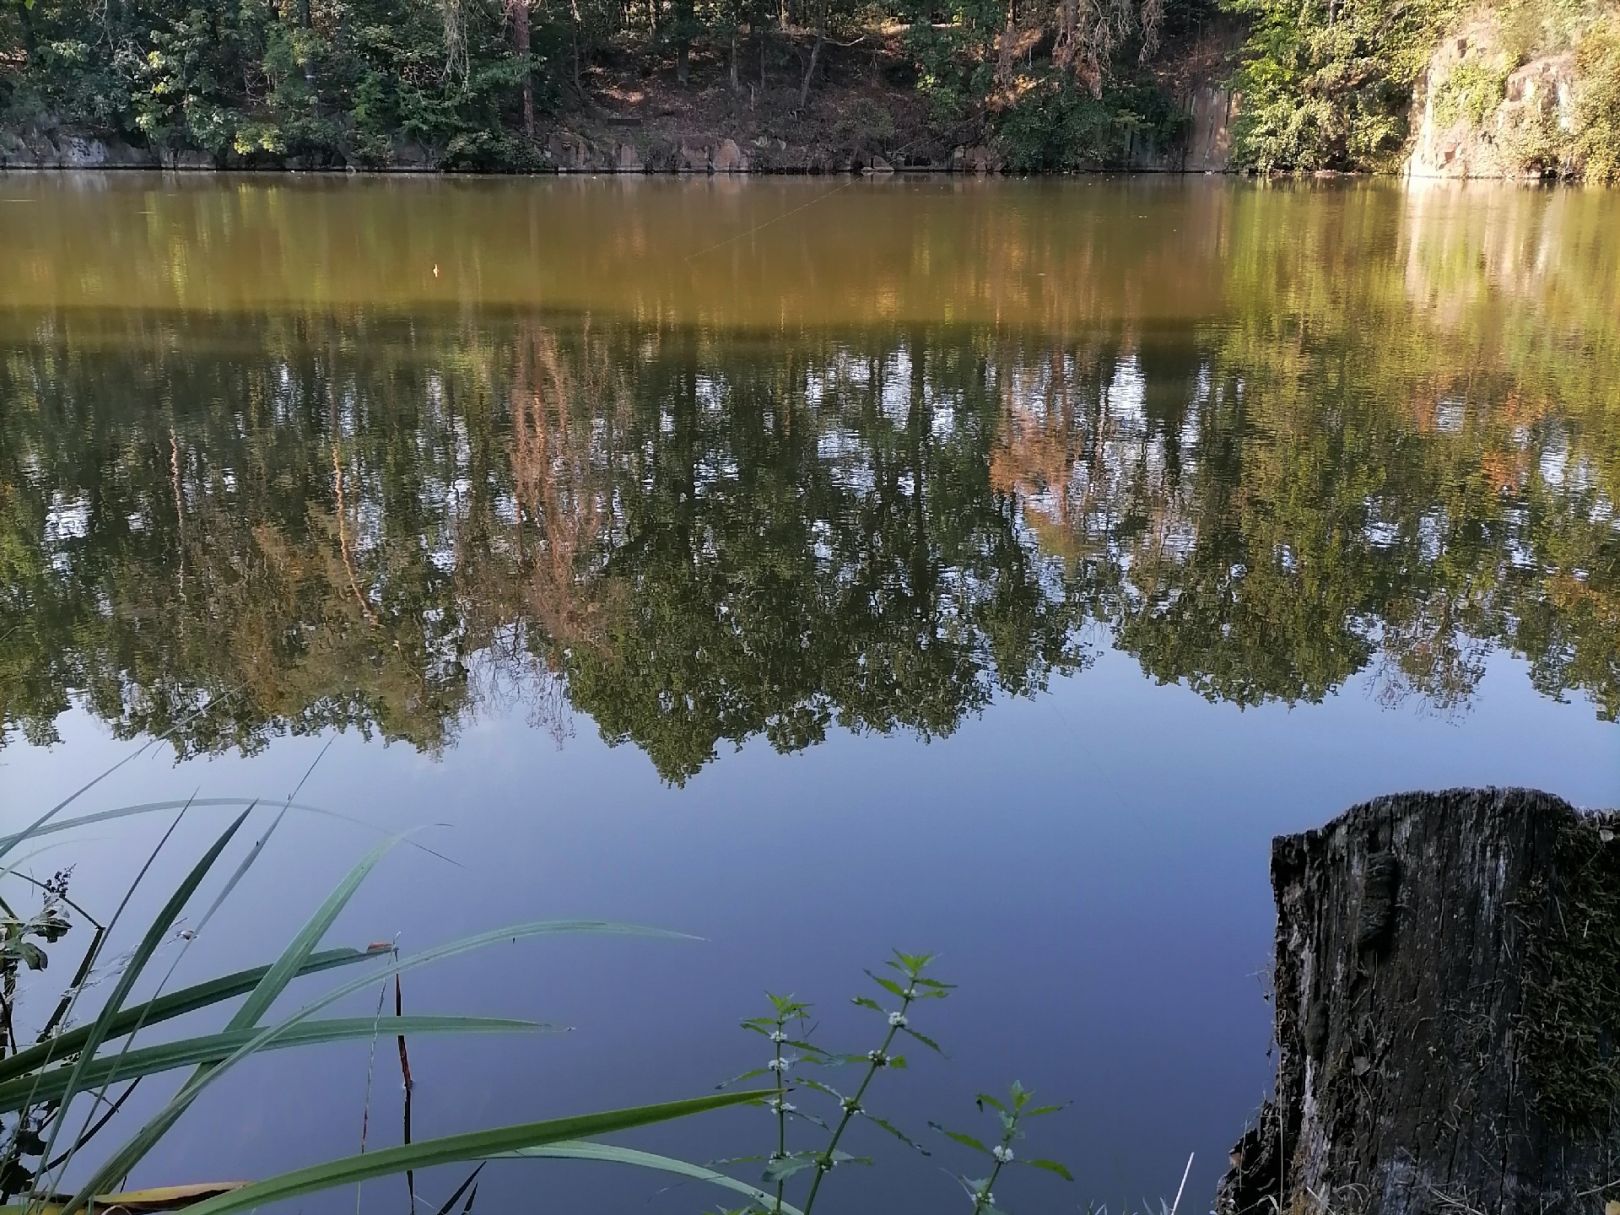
<point x="1569" y="1026"/>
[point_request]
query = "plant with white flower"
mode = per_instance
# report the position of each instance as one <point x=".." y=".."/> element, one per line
<point x="785" y="1010"/>
<point x="908" y="987"/>
<point x="1011" y="1114"/>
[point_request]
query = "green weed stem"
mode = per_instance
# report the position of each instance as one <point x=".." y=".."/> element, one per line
<point x="852" y="1105"/>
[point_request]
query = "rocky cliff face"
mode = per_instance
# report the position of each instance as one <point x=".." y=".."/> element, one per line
<point x="1479" y="114"/>
<point x="1198" y="76"/>
<point x="1209" y="142"/>
<point x="34" y="147"/>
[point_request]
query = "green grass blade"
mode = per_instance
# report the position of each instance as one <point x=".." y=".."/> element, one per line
<point x="299" y="949"/>
<point x="208" y="1048"/>
<point x="275" y="980"/>
<point x="121" y="1162"/>
<point x="580" y="1149"/>
<point x="235" y="879"/>
<point x="474" y="1145"/>
<point x="175" y="1004"/>
<point x="42" y="827"/>
<point x="155" y="932"/>
<point x="8" y="842"/>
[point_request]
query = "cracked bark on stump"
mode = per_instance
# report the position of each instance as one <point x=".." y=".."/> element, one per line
<point x="1447" y="987"/>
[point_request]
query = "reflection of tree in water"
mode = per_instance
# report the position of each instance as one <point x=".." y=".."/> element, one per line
<point x="699" y="539"/>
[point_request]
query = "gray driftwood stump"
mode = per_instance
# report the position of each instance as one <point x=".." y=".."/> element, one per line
<point x="1447" y="986"/>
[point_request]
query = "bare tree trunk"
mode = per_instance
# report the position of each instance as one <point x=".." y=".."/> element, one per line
<point x="685" y="19"/>
<point x="519" y="10"/>
<point x="736" y="84"/>
<point x="810" y="68"/>
<point x="1448" y="1028"/>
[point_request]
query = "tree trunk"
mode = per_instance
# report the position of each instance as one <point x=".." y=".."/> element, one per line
<point x="736" y="84"/>
<point x="810" y="68"/>
<point x="685" y="19"/>
<point x="520" y="45"/>
<point x="1447" y="987"/>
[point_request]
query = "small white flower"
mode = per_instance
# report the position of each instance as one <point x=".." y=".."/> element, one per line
<point x="898" y="1020"/>
<point x="781" y="1063"/>
<point x="878" y="1057"/>
<point x="910" y="993"/>
<point x="781" y="1107"/>
<point x="778" y="1036"/>
<point x="1002" y="1154"/>
<point x="851" y="1106"/>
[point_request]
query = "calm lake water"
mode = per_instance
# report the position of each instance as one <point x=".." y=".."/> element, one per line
<point x="819" y="567"/>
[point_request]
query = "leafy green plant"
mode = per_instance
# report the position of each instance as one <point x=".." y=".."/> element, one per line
<point x="1059" y="125"/>
<point x="1328" y="86"/>
<point x="1011" y="1114"/>
<point x="1597" y="102"/>
<point x="40" y="1083"/>
<point x="1471" y="91"/>
<point x="785" y="1026"/>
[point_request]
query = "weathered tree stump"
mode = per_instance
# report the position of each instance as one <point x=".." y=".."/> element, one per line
<point x="1447" y="987"/>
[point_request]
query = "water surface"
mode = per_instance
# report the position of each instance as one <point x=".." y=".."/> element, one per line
<point x="983" y="567"/>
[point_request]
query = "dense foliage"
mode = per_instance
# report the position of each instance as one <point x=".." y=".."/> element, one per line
<point x="1054" y="84"/>
<point x="1327" y="83"/>
<point x="1331" y="83"/>
<point x="1598" y="59"/>
<point x="349" y="82"/>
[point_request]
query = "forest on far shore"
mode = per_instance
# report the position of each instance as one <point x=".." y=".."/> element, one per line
<point x="1048" y="84"/>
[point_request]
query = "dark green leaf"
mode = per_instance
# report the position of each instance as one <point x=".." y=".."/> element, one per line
<point x="1051" y="1166"/>
<point x="888" y="985"/>
<point x="173" y="1005"/>
<point x="964" y="1139"/>
<point x="783" y="1167"/>
<point x="923" y="1038"/>
<point x="897" y="1133"/>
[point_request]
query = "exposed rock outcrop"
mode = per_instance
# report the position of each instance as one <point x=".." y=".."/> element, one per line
<point x="1478" y="114"/>
<point x="45" y="147"/>
<point x="727" y="157"/>
<point x="1214" y="108"/>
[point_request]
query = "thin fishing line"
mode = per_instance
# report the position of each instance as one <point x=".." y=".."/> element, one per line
<point x="774" y="219"/>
